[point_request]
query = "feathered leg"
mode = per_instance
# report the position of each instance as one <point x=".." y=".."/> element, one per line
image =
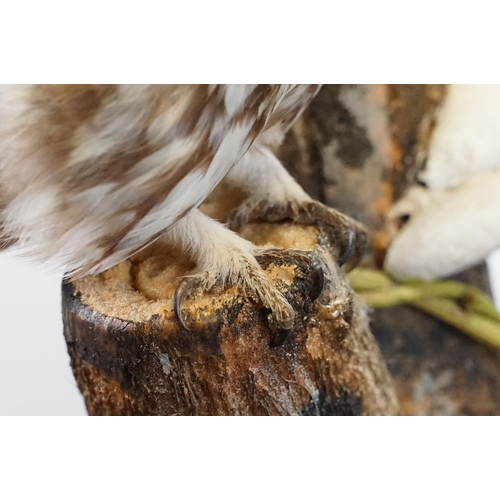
<point x="275" y="196"/>
<point x="225" y="259"/>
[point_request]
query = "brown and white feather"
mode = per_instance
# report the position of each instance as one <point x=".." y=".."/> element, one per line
<point x="90" y="174"/>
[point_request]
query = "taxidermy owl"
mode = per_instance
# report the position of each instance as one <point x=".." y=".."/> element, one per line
<point x="453" y="218"/>
<point x="91" y="174"/>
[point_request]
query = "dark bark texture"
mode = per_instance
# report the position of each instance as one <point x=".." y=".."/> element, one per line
<point x="130" y="355"/>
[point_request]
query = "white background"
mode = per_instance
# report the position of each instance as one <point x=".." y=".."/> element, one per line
<point x="35" y="376"/>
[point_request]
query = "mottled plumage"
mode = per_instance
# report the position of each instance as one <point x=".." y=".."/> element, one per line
<point x="90" y="174"/>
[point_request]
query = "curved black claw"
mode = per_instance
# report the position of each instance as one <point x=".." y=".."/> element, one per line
<point x="354" y="247"/>
<point x="180" y="293"/>
<point x="344" y="233"/>
<point x="185" y="289"/>
<point x="318" y="279"/>
<point x="347" y="248"/>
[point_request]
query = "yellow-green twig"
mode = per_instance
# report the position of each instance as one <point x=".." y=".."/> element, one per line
<point x="465" y="307"/>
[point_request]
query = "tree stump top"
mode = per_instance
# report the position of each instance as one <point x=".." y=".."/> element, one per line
<point x="131" y="356"/>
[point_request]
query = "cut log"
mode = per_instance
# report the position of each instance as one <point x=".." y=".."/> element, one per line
<point x="130" y="355"/>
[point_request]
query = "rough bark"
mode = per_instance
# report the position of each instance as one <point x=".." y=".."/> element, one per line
<point x="130" y="356"/>
<point x="366" y="143"/>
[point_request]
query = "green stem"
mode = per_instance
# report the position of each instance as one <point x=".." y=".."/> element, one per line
<point x="475" y="325"/>
<point x="465" y="307"/>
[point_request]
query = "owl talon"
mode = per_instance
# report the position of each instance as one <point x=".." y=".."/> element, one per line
<point x="318" y="279"/>
<point x="344" y="233"/>
<point x="183" y="290"/>
<point x="309" y="260"/>
<point x="354" y="246"/>
<point x="258" y="286"/>
<point x="348" y="248"/>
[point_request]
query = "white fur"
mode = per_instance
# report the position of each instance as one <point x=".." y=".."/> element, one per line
<point x="215" y="247"/>
<point x="224" y="257"/>
<point x="262" y="175"/>
<point x="455" y="224"/>
<point x="467" y="136"/>
<point x="452" y="232"/>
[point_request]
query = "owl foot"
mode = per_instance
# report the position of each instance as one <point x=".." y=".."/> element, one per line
<point x="258" y="286"/>
<point x="307" y="265"/>
<point x="344" y="233"/>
